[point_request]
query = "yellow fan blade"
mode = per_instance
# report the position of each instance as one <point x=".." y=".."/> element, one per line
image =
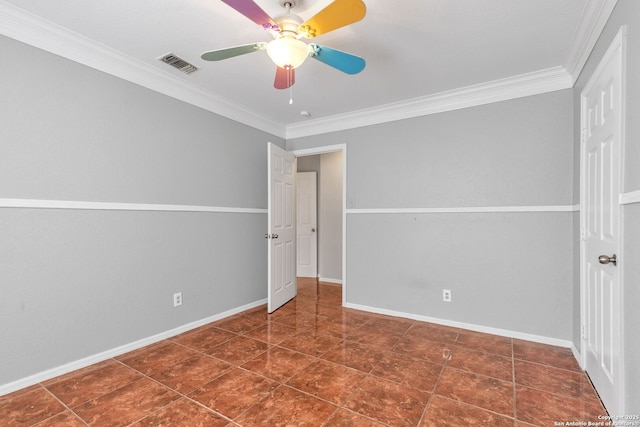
<point x="336" y="15"/>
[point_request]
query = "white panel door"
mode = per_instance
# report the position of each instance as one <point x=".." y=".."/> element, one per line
<point x="601" y="134"/>
<point x="281" y="256"/>
<point x="307" y="225"/>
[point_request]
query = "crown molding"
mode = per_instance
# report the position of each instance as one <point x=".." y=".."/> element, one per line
<point x="23" y="26"/>
<point x="528" y="84"/>
<point x="594" y="17"/>
<point x="31" y="29"/>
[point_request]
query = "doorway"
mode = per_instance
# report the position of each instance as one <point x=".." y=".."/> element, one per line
<point x="329" y="163"/>
<point x="307" y="218"/>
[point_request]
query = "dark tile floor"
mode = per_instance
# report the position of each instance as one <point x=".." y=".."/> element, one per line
<point x="313" y="363"/>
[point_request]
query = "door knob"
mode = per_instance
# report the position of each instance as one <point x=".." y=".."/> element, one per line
<point x="274" y="236"/>
<point x="313" y="230"/>
<point x="604" y="259"/>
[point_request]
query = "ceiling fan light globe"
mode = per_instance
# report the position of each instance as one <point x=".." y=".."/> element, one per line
<point x="288" y="51"/>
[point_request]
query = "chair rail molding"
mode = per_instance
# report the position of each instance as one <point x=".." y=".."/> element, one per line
<point x="110" y="206"/>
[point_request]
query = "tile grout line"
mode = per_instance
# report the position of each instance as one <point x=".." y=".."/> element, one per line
<point x="259" y="400"/>
<point x="435" y="387"/>
<point x="280" y="383"/>
<point x="553" y="393"/>
<point x="67" y="408"/>
<point x="313" y="359"/>
<point x="145" y="376"/>
<point x="112" y="359"/>
<point x="182" y="395"/>
<point x="515" y="394"/>
<point x="235" y="366"/>
<point x="355" y="413"/>
<point x="366" y="376"/>
<point x="476" y="374"/>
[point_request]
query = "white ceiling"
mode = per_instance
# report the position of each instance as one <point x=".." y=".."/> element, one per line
<point x="415" y="49"/>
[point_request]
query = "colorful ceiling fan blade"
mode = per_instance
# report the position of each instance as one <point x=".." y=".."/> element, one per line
<point x="217" y="55"/>
<point x="252" y="11"/>
<point x="285" y="78"/>
<point x="342" y="61"/>
<point x="336" y="15"/>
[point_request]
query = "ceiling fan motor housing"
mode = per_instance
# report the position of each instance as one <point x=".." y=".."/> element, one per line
<point x="289" y="24"/>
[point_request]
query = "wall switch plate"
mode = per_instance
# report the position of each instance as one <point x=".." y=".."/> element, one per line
<point x="177" y="299"/>
<point x="446" y="295"/>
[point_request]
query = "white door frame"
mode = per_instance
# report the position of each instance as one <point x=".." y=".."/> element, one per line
<point x="617" y="47"/>
<point x="332" y="149"/>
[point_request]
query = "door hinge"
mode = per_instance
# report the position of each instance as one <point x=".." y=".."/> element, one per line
<point x="584" y="332"/>
<point x="583" y="234"/>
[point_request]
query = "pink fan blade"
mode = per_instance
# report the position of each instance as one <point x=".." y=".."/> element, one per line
<point x="285" y="78"/>
<point x="252" y="11"/>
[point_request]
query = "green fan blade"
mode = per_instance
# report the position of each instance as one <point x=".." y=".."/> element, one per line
<point x="220" y="54"/>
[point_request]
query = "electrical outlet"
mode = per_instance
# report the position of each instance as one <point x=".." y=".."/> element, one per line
<point x="446" y="295"/>
<point x="177" y="299"/>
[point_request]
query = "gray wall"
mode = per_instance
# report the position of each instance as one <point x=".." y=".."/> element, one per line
<point x="328" y="168"/>
<point x="627" y="12"/>
<point x="513" y="153"/>
<point x="631" y="302"/>
<point x="309" y="164"/>
<point x="330" y="226"/>
<point x="76" y="283"/>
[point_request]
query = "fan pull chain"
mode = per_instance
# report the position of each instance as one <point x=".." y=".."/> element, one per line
<point x="290" y="83"/>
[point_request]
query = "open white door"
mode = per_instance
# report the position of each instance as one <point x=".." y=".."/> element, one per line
<point x="282" y="227"/>
<point x="307" y="225"/>
<point x="600" y="226"/>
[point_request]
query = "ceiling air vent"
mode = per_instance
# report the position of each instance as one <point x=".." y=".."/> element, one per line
<point x="179" y="63"/>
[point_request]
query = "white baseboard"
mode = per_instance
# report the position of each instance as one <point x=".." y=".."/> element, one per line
<point x="472" y="327"/>
<point x="329" y="280"/>
<point x="105" y="355"/>
<point x="630" y="197"/>
<point x="577" y="355"/>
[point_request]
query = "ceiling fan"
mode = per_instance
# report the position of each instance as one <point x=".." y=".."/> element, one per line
<point x="287" y="49"/>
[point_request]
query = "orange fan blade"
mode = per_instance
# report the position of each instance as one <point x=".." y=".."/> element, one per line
<point x="285" y="78"/>
<point x="336" y="15"/>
